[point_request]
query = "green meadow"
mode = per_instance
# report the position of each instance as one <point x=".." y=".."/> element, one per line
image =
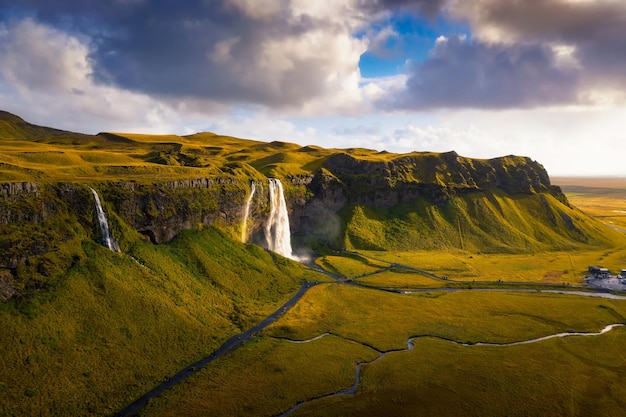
<point x="89" y="330"/>
<point x="114" y="327"/>
<point x="438" y="377"/>
<point x="558" y="377"/>
<point x="602" y="198"/>
<point x="547" y="267"/>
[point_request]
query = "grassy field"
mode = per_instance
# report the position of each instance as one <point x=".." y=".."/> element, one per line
<point x="350" y="265"/>
<point x="555" y="268"/>
<point x="264" y="378"/>
<point x="385" y="321"/>
<point x="113" y="327"/>
<point x="602" y="198"/>
<point x="437" y="377"/>
<point x="558" y="377"/>
<point x="549" y="267"/>
<point x="401" y="279"/>
<point x="88" y="336"/>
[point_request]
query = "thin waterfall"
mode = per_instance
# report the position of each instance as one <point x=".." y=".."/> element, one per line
<point x="107" y="240"/>
<point x="246" y="213"/>
<point x="277" y="233"/>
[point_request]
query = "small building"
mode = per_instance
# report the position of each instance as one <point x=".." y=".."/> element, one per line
<point x="599" y="272"/>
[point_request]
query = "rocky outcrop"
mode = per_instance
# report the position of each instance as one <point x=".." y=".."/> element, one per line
<point x="386" y="180"/>
<point x="38" y="221"/>
<point x="7" y="285"/>
<point x="401" y="178"/>
<point x="14" y="189"/>
<point x="158" y="210"/>
<point x="161" y="210"/>
<point x="37" y="218"/>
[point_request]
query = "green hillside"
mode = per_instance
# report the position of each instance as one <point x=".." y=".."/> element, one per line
<point x="490" y="222"/>
<point x="349" y="198"/>
<point x="86" y="330"/>
<point x="112" y="327"/>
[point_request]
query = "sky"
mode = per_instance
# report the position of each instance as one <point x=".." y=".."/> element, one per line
<point x="485" y="78"/>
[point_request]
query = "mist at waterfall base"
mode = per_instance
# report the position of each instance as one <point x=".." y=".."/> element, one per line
<point x="107" y="239"/>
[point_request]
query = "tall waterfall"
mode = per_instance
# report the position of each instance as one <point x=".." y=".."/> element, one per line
<point x="277" y="233"/>
<point x="107" y="240"/>
<point x="246" y="213"/>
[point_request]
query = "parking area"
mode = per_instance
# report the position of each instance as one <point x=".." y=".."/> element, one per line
<point x="612" y="282"/>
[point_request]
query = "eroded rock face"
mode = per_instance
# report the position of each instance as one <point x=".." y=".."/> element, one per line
<point x="379" y="183"/>
<point x="161" y="210"/>
<point x="7" y="285"/>
<point x="36" y="218"/>
<point x="13" y="189"/>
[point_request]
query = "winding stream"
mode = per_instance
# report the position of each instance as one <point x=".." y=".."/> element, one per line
<point x="235" y="341"/>
<point x="352" y="389"/>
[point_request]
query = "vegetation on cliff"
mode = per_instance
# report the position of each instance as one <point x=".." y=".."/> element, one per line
<point x="159" y="185"/>
<point x="113" y="326"/>
<point x="86" y="330"/>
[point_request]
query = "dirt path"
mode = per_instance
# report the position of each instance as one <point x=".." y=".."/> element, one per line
<point x="228" y="346"/>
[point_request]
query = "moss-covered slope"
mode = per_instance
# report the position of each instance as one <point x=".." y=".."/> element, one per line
<point x="158" y="185"/>
<point x="114" y="326"/>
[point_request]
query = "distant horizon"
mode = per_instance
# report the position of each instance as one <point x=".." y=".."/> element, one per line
<point x="552" y="176"/>
<point x="485" y="79"/>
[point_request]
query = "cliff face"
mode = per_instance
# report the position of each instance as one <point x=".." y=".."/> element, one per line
<point x="390" y="180"/>
<point x="436" y="176"/>
<point x="34" y="218"/>
<point x="161" y="210"/>
<point x="354" y="198"/>
<point x="42" y="224"/>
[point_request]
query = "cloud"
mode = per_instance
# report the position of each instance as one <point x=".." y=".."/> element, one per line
<point x="593" y="31"/>
<point x="429" y="8"/>
<point x="540" y="20"/>
<point x="359" y="130"/>
<point x="45" y="75"/>
<point x="290" y="54"/>
<point x="461" y="73"/>
<point x="302" y="57"/>
<point x="567" y="141"/>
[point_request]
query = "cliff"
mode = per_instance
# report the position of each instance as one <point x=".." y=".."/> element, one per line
<point x="157" y="186"/>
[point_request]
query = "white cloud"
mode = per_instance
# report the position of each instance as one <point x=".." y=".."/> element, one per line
<point x="567" y="141"/>
<point x="45" y="75"/>
<point x="35" y="57"/>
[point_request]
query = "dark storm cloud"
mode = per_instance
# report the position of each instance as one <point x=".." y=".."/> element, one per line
<point x="459" y="73"/>
<point x="596" y="30"/>
<point x="262" y="52"/>
<point x="512" y="59"/>
<point x="541" y="19"/>
<point x="199" y="49"/>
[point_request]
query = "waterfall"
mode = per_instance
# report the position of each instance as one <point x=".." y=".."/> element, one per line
<point x="107" y="240"/>
<point x="246" y="213"/>
<point x="277" y="233"/>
